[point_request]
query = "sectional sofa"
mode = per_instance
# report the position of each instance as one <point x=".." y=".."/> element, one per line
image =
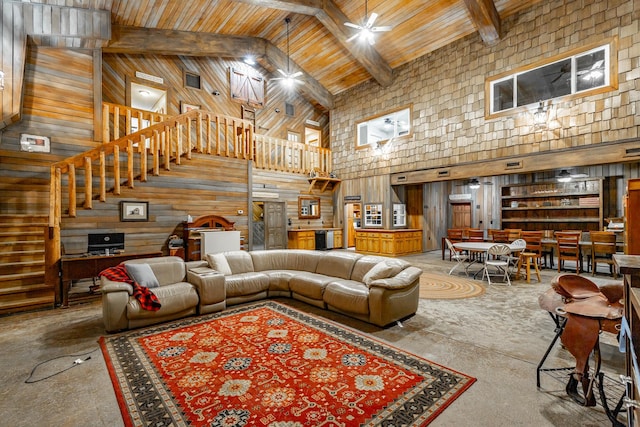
<point x="375" y="289"/>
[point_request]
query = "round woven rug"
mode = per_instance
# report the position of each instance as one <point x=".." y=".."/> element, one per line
<point x="443" y="286"/>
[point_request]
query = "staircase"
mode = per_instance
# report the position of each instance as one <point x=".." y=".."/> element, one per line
<point x="22" y="264"/>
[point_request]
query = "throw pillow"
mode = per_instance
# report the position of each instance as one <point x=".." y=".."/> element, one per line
<point x="219" y="263"/>
<point x="143" y="275"/>
<point x="381" y="270"/>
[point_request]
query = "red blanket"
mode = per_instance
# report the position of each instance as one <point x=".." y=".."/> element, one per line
<point x="148" y="300"/>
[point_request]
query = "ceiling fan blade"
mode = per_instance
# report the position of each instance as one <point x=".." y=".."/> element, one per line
<point x="282" y="72"/>
<point x="597" y="64"/>
<point x="371" y="20"/>
<point x="296" y="74"/>
<point x="381" y="29"/>
<point x="353" y="37"/>
<point x="349" y="24"/>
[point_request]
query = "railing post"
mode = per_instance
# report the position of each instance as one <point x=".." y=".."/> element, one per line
<point x="130" y="163"/>
<point x="72" y="190"/>
<point x="155" y="146"/>
<point x="116" y="170"/>
<point x="217" y="135"/>
<point x="105" y="124"/>
<point x="116" y="122"/>
<point x="199" y="131"/>
<point x="142" y="149"/>
<point x="88" y="183"/>
<point x="179" y="142"/>
<point x="208" y="132"/>
<point x="166" y="138"/>
<point x="103" y="178"/>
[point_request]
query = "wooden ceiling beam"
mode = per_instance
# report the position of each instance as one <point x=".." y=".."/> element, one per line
<point x="333" y="19"/>
<point x="486" y="19"/>
<point x="137" y="40"/>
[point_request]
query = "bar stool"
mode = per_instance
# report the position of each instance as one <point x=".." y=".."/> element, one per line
<point x="525" y="259"/>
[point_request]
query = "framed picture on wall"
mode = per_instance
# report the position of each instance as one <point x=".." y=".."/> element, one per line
<point x="134" y="211"/>
<point x="35" y="143"/>
<point x="185" y="108"/>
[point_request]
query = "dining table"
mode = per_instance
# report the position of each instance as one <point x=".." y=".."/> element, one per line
<point x="483" y="248"/>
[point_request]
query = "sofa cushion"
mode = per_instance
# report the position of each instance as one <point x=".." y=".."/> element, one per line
<point x="239" y="262"/>
<point x="382" y="270"/>
<point x="310" y="285"/>
<point x="174" y="298"/>
<point x="279" y="279"/>
<point x="246" y="284"/>
<point x="219" y="263"/>
<point x="286" y="259"/>
<point x="337" y="264"/>
<point x="142" y="275"/>
<point x="167" y="269"/>
<point x="347" y="295"/>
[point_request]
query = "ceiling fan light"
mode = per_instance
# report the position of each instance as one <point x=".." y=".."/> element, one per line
<point x="249" y="60"/>
<point x="474" y="184"/>
<point x="564" y="176"/>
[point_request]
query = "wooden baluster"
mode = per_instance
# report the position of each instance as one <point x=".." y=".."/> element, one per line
<point x="226" y="137"/>
<point x="208" y="120"/>
<point x="72" y="190"/>
<point x="142" y="149"/>
<point x="166" y="139"/>
<point x="116" y="122"/>
<point x="217" y="135"/>
<point x="105" y="124"/>
<point x="140" y="123"/>
<point x="283" y="148"/>
<point x="88" y="183"/>
<point x="155" y="146"/>
<point x="130" y="163"/>
<point x="116" y="170"/>
<point x="103" y="178"/>
<point x="179" y="142"/>
<point x="199" y="131"/>
<point x="252" y="143"/>
<point x="55" y="197"/>
<point x="188" y="142"/>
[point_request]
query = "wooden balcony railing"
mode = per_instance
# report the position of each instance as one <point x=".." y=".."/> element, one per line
<point x="163" y="141"/>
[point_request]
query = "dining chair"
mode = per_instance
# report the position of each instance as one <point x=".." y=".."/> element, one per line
<point x="568" y="248"/>
<point x="459" y="257"/>
<point x="501" y="236"/>
<point x="513" y="233"/>
<point x="454" y="235"/>
<point x="498" y="259"/>
<point x="603" y="247"/>
<point x="475" y="235"/>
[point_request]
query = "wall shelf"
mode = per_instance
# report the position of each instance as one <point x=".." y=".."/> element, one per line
<point x="553" y="206"/>
<point x="323" y="183"/>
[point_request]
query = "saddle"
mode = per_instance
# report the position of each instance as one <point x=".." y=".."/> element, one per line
<point x="588" y="310"/>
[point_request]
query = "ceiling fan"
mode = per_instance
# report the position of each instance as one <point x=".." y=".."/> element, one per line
<point x="289" y="78"/>
<point x="366" y="30"/>
<point x="593" y="72"/>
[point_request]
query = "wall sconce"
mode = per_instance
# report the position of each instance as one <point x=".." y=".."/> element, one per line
<point x="1" y="80"/>
<point x="540" y="116"/>
<point x="474" y="184"/>
<point x="564" y="176"/>
<point x="215" y="92"/>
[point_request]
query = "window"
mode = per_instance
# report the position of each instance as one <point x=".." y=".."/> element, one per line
<point x="373" y="215"/>
<point x="384" y="127"/>
<point x="399" y="215"/>
<point x="191" y="79"/>
<point x="581" y="73"/>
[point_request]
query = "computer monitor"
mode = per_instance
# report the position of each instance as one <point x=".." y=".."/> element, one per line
<point x="105" y="243"/>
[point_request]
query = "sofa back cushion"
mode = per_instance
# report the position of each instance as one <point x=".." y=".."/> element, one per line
<point x="239" y="262"/>
<point x="143" y="275"/>
<point x="219" y="263"/>
<point x="167" y="269"/>
<point x="363" y="265"/>
<point x="384" y="270"/>
<point x="286" y="259"/>
<point x="337" y="264"/>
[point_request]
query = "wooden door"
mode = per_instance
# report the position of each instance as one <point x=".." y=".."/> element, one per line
<point x="352" y="214"/>
<point x="275" y="225"/>
<point x="461" y="215"/>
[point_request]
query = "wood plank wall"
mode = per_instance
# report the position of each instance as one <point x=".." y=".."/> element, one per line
<point x="214" y="76"/>
<point x="58" y="97"/>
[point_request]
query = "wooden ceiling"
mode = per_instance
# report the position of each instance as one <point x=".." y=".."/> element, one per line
<point x="318" y="36"/>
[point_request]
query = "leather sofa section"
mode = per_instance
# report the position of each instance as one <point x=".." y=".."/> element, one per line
<point x="246" y="284"/>
<point x="167" y="270"/>
<point x="338" y="264"/>
<point x="347" y="296"/>
<point x="286" y="259"/>
<point x="239" y="262"/>
<point x="174" y="299"/>
<point x="310" y="285"/>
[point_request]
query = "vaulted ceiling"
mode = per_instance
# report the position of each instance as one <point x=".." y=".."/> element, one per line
<point x="318" y="46"/>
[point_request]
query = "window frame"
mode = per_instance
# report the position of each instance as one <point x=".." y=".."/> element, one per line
<point x="611" y="56"/>
<point x="373" y="215"/>
<point x="382" y="115"/>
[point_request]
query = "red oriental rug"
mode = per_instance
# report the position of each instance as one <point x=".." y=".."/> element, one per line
<point x="267" y="364"/>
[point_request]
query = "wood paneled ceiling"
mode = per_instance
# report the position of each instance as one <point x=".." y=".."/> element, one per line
<point x="318" y="36"/>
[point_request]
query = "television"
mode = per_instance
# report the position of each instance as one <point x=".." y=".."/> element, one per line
<point x="105" y="243"/>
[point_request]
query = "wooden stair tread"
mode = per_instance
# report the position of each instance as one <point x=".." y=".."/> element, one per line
<point x="17" y="276"/>
<point x="26" y="303"/>
<point x="25" y="288"/>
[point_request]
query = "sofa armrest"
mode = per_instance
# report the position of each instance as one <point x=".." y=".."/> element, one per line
<point x="209" y="283"/>
<point x="406" y="277"/>
<point x="196" y="264"/>
<point x="107" y="286"/>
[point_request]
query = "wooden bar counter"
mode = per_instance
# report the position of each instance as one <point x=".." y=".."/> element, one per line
<point x="388" y="242"/>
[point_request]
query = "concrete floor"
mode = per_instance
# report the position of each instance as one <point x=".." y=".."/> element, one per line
<point x="498" y="338"/>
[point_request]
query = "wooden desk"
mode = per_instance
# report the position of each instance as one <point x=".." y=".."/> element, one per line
<point x="88" y="267"/>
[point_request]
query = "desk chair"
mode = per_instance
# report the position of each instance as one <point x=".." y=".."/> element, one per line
<point x="568" y="248"/>
<point x="603" y="247"/>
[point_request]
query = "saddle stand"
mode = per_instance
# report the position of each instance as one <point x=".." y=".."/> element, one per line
<point x="581" y="311"/>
